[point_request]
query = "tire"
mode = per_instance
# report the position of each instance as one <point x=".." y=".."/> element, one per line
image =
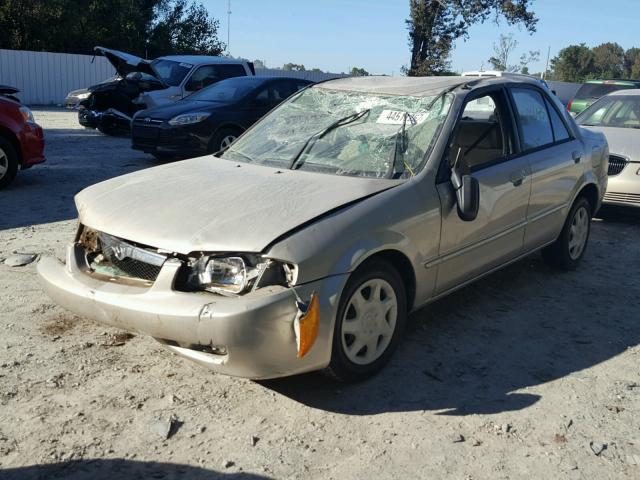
<point x="381" y="332"/>
<point x="8" y="162"/>
<point x="567" y="251"/>
<point x="222" y="137"/>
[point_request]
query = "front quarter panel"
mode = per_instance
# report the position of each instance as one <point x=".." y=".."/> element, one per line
<point x="405" y="218"/>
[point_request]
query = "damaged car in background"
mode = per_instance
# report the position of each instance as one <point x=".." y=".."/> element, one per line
<point x="305" y="245"/>
<point x="109" y="106"/>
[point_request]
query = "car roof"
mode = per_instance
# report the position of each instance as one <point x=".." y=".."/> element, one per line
<point x="629" y="92"/>
<point x="614" y="82"/>
<point x="202" y="59"/>
<point x="416" y="86"/>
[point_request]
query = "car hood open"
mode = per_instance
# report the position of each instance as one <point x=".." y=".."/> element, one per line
<point x="622" y="141"/>
<point x="215" y="205"/>
<point x="125" y="63"/>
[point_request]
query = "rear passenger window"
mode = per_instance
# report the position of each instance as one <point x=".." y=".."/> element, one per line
<point x="533" y="118"/>
<point x="559" y="130"/>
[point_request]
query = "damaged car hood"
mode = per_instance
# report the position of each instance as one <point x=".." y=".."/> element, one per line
<point x="215" y="205"/>
<point x="125" y="63"/>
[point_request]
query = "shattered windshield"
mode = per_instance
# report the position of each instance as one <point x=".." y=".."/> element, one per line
<point x="346" y="133"/>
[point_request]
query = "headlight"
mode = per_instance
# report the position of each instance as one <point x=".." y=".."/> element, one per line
<point x="27" y="115"/>
<point x="187" y="118"/>
<point x="84" y="95"/>
<point x="237" y="274"/>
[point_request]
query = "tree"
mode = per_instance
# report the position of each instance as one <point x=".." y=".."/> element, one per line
<point x="435" y="24"/>
<point x="156" y="27"/>
<point x="293" y="67"/>
<point x="574" y="63"/>
<point x="503" y="50"/>
<point x="359" y="72"/>
<point x="259" y="64"/>
<point x="632" y="63"/>
<point x="608" y="60"/>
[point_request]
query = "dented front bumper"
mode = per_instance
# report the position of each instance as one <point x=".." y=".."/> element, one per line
<point x="249" y="336"/>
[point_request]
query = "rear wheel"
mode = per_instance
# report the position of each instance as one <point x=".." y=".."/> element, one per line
<point x="8" y="162"/>
<point x="370" y="322"/>
<point x="567" y="251"/>
<point x="223" y="139"/>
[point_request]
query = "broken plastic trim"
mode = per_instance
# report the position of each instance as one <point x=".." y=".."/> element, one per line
<point x="307" y="324"/>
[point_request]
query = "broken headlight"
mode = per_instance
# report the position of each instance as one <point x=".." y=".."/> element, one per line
<point x="235" y="275"/>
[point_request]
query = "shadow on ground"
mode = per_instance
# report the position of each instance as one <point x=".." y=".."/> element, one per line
<point x="119" y="469"/>
<point x="76" y="159"/>
<point x="477" y="350"/>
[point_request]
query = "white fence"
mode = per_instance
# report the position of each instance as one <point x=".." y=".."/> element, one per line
<point x="45" y="78"/>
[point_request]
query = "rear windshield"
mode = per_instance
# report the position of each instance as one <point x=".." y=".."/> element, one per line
<point x="170" y="72"/>
<point x="597" y="90"/>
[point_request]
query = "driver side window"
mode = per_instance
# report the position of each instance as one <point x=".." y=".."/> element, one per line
<point x="480" y="137"/>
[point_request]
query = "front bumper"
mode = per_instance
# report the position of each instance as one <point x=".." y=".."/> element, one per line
<point x="179" y="142"/>
<point x="256" y="329"/>
<point x="31" y="145"/>
<point x="623" y="189"/>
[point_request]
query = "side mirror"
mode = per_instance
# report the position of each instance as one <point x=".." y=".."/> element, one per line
<point x="467" y="191"/>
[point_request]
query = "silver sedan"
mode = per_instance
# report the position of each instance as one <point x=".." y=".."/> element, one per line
<point x="617" y="116"/>
<point x="306" y="244"/>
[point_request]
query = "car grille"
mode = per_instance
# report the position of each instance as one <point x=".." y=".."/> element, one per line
<point x="616" y="165"/>
<point x="116" y="258"/>
<point x="631" y="198"/>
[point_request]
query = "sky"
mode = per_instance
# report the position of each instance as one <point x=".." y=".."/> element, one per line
<point x="336" y="35"/>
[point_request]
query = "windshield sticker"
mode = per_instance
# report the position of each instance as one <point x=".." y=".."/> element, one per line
<point x="186" y="65"/>
<point x="396" y="117"/>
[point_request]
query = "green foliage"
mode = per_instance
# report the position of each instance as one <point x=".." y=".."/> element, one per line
<point x="577" y="63"/>
<point x="293" y="67"/>
<point x="435" y="24"/>
<point x="359" y="72"/>
<point x="140" y="27"/>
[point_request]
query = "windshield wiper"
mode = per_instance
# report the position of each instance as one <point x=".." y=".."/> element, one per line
<point x="402" y="134"/>
<point x="308" y="145"/>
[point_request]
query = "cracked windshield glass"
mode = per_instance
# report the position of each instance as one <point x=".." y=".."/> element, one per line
<point x="346" y="133"/>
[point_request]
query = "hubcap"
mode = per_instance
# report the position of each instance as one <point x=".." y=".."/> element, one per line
<point x="578" y="233"/>
<point x="369" y="321"/>
<point x="4" y="163"/>
<point x="227" y="141"/>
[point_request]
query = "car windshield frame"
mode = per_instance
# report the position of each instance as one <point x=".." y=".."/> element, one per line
<point x="390" y="136"/>
<point x="612" y="105"/>
<point x="171" y="80"/>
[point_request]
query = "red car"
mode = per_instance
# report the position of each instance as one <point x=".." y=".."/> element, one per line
<point x="21" y="138"/>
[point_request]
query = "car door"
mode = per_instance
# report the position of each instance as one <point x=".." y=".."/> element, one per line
<point x="555" y="157"/>
<point x="484" y="144"/>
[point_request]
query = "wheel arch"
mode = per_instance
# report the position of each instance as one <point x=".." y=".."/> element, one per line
<point x="401" y="263"/>
<point x="591" y="193"/>
<point x="11" y="137"/>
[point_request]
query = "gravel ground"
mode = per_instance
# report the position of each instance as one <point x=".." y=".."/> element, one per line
<point x="526" y="374"/>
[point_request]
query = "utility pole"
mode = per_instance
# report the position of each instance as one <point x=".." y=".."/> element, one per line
<point x="546" y="67"/>
<point x="229" y="27"/>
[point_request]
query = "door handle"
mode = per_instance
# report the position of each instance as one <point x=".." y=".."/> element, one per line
<point x="576" y="156"/>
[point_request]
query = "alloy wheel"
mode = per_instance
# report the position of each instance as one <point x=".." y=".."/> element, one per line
<point x="227" y="141"/>
<point x="369" y="321"/>
<point x="4" y="163"/>
<point x="578" y="232"/>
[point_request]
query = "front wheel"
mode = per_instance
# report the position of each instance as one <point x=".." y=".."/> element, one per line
<point x="370" y="322"/>
<point x="567" y="251"/>
<point x="223" y="139"/>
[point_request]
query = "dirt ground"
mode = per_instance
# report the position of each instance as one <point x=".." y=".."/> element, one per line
<point x="527" y="374"/>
